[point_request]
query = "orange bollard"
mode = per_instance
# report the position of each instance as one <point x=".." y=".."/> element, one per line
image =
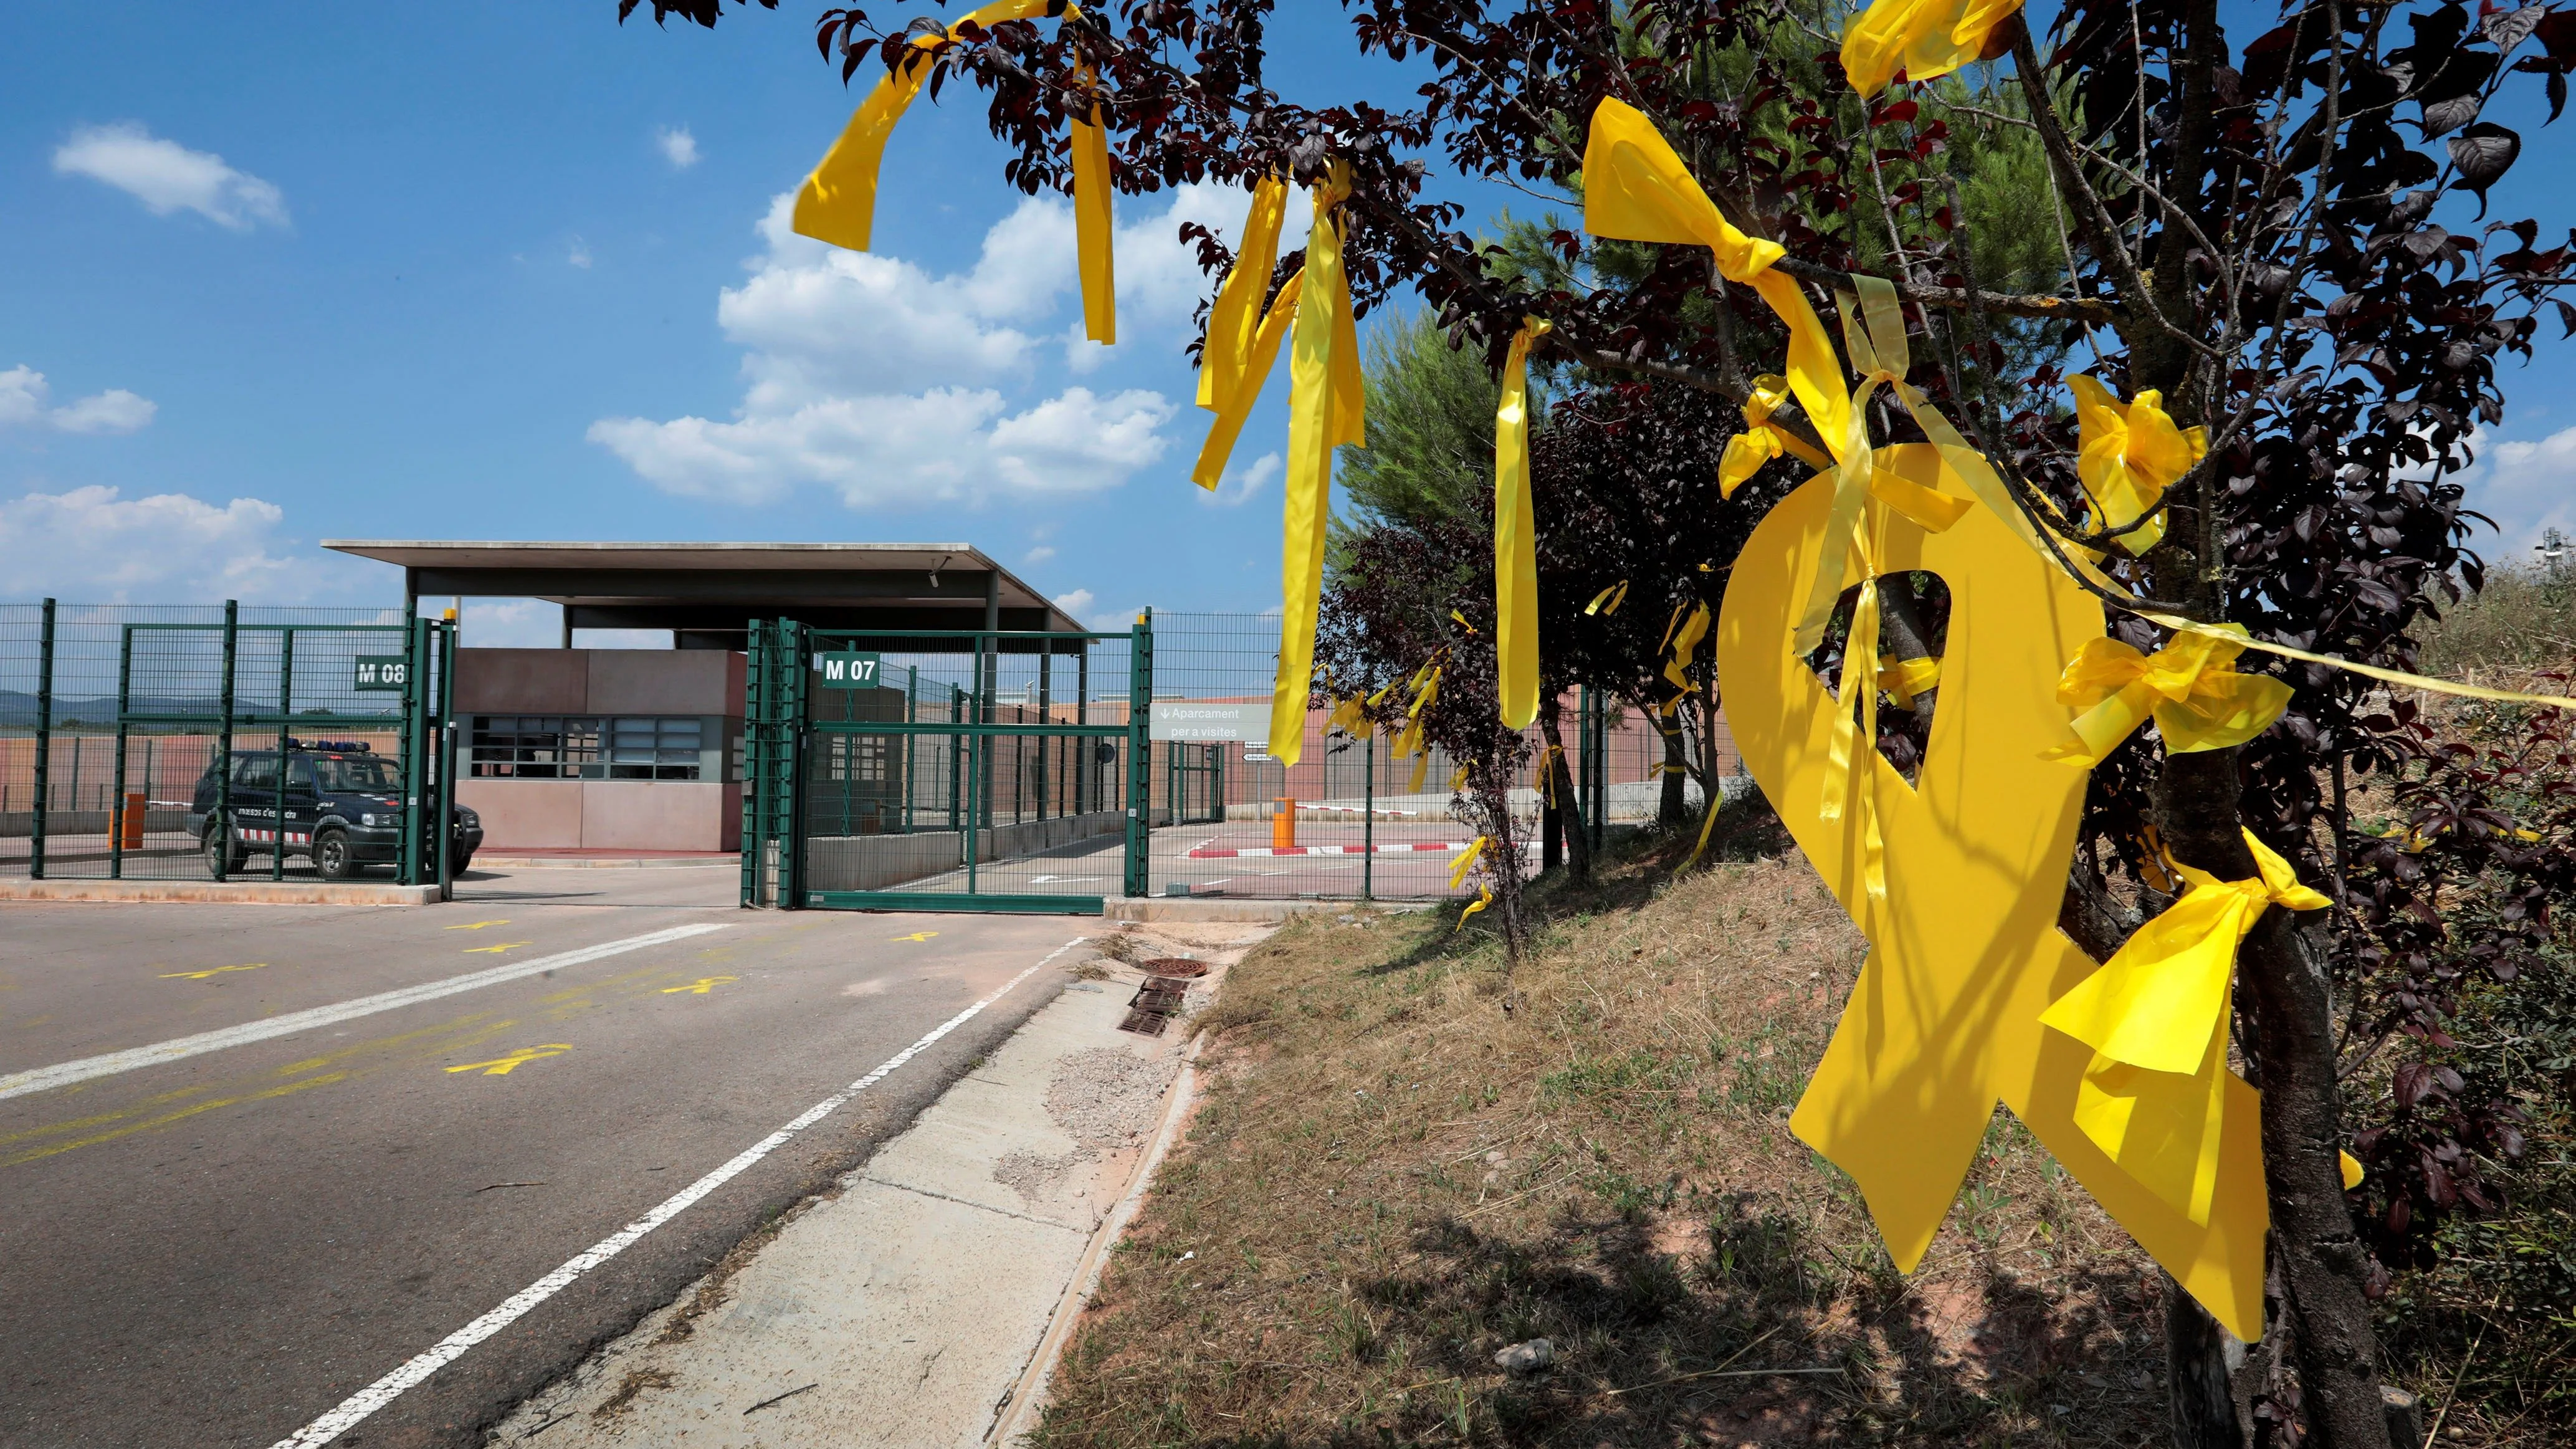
<point x="1283" y="823"/>
<point x="130" y="821"/>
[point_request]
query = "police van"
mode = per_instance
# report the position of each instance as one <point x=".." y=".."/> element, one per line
<point x="343" y="804"/>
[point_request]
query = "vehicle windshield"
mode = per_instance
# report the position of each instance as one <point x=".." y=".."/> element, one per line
<point x="365" y="774"/>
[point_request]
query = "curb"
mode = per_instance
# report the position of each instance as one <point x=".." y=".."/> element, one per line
<point x="1259" y="912"/>
<point x="232" y="893"/>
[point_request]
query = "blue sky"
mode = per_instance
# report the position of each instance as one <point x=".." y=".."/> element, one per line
<point x="272" y="274"/>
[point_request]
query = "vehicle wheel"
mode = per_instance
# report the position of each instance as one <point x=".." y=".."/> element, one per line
<point x="331" y="859"/>
<point x="219" y="863"/>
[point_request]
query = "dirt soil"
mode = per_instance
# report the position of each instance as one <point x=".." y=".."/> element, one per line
<point x="1390" y="1179"/>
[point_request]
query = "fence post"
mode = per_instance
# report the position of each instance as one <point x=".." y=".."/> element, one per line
<point x="44" y="742"/>
<point x="223" y="820"/>
<point x="1368" y="811"/>
<point x="911" y="715"/>
<point x="754" y="711"/>
<point x="446" y="735"/>
<point x="116" y="816"/>
<point x="1140" y="783"/>
<point x="285" y="717"/>
<point x="414" y="749"/>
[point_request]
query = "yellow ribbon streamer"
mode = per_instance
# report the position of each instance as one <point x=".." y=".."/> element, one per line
<point x="838" y="202"/>
<point x="1607" y="602"/>
<point x="1515" y="539"/>
<point x="2127" y="455"/>
<point x="1851" y="760"/>
<point x="2152" y="1097"/>
<point x="1465" y="862"/>
<point x="1325" y="410"/>
<point x="1242" y="340"/>
<point x="1684" y="641"/>
<point x="1484" y="898"/>
<point x="2191" y="687"/>
<point x="1925" y="38"/>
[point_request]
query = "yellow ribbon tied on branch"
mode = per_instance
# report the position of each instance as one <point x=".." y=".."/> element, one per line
<point x="1242" y="339"/>
<point x="1924" y="38"/>
<point x="2127" y="455"/>
<point x="1681" y="641"/>
<point x="1325" y="410"/>
<point x="1607" y="602"/>
<point x="1851" y="757"/>
<point x="1515" y="538"/>
<point x="2155" y="1016"/>
<point x="1636" y="189"/>
<point x="2191" y="688"/>
<point x="1903" y="679"/>
<point x="1762" y="440"/>
<point x="838" y="202"/>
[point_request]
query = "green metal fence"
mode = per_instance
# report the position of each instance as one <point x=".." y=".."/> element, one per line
<point x="979" y="771"/>
<point x="113" y="719"/>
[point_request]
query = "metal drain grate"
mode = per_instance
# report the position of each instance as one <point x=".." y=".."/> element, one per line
<point x="1172" y="966"/>
<point x="1160" y="996"/>
<point x="1145" y="1023"/>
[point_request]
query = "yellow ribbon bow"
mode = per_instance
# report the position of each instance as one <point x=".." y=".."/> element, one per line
<point x="838" y="202"/>
<point x="1762" y="440"/>
<point x="1515" y="538"/>
<point x="1325" y="410"/>
<point x="1925" y="38"/>
<point x="2190" y="686"/>
<point x="2155" y="1016"/>
<point x="2128" y="455"/>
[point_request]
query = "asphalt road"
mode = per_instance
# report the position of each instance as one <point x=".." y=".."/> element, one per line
<point x="218" y="1249"/>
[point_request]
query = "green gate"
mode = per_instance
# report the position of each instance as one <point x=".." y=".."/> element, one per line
<point x="945" y="770"/>
<point x="214" y="738"/>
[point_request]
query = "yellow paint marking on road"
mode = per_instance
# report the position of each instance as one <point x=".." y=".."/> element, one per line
<point x="202" y="975"/>
<point x="699" y="987"/>
<point x="918" y="936"/>
<point x="167" y="1118"/>
<point x="496" y="948"/>
<point x="504" y="1066"/>
<point x="78" y="1123"/>
<point x="472" y="925"/>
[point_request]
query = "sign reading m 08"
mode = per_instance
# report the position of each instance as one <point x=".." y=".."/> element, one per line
<point x="382" y="672"/>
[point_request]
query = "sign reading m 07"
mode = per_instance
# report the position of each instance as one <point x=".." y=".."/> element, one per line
<point x="847" y="671"/>
<point x="382" y="672"/>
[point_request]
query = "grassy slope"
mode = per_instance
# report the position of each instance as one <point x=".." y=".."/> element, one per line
<point x="1390" y="1180"/>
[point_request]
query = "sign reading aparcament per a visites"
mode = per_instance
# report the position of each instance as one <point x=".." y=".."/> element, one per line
<point x="1194" y="721"/>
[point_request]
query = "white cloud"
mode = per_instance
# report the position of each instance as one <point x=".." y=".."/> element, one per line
<point x="1239" y="484"/>
<point x="579" y="254"/>
<point x="678" y="146"/>
<point x="1077" y="603"/>
<point x="23" y="392"/>
<point x="1037" y="556"/>
<point x="166" y="176"/>
<point x="873" y="376"/>
<point x="2525" y="487"/>
<point x="92" y="544"/>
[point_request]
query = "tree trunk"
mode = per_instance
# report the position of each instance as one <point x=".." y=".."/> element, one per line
<point x="1569" y="804"/>
<point x="1673" y="808"/>
<point x="2323" y="1262"/>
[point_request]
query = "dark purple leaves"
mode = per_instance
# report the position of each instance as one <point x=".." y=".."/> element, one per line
<point x="2483" y="153"/>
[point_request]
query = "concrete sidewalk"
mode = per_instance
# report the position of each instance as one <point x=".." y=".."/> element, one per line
<point x="908" y="1306"/>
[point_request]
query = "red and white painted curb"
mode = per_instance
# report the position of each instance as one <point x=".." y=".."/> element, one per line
<point x="1206" y="852"/>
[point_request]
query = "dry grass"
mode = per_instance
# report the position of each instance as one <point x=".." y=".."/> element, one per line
<point x="1390" y="1180"/>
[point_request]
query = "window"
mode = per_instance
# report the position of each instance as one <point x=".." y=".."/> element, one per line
<point x="574" y="747"/>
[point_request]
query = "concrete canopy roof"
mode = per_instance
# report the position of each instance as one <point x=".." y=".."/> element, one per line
<point x="716" y="589"/>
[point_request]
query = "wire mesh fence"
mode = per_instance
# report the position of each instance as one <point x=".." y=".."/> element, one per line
<point x="110" y="720"/>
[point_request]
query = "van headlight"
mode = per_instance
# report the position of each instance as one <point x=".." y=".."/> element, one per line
<point x="371" y="820"/>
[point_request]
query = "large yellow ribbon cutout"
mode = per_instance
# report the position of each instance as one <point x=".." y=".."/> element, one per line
<point x="1926" y="38"/>
<point x="1325" y="410"/>
<point x="838" y="202"/>
<point x="2155" y="1096"/>
<point x="1515" y="539"/>
<point x="1944" y="1020"/>
<point x="2190" y="686"/>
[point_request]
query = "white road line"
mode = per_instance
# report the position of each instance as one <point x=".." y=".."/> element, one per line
<point x="64" y="1074"/>
<point x="383" y="1391"/>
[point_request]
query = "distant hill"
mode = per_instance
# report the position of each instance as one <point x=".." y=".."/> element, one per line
<point x="18" y="709"/>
